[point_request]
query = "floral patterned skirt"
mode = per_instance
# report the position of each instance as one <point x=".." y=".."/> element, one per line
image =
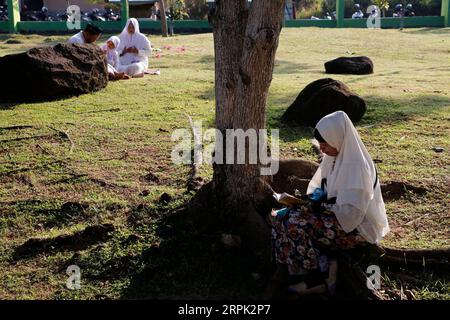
<point x="301" y="236"/>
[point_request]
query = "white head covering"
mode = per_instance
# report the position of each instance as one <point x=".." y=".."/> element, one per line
<point x="126" y="36"/>
<point x="353" y="177"/>
<point x="114" y="40"/>
<point x="138" y="40"/>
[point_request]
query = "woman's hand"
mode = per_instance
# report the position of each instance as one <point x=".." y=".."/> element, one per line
<point x="130" y="50"/>
<point x="133" y="50"/>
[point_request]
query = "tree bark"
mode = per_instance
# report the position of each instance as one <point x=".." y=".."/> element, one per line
<point x="245" y="43"/>
<point x="162" y="11"/>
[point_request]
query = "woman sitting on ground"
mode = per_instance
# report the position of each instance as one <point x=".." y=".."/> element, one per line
<point x="351" y="215"/>
<point x="134" y="50"/>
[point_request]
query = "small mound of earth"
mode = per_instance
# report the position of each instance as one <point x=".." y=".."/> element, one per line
<point x="13" y="41"/>
<point x="350" y="65"/>
<point x="322" y="97"/>
<point x="394" y="190"/>
<point x="48" y="73"/>
<point x="296" y="174"/>
<point x="293" y="174"/>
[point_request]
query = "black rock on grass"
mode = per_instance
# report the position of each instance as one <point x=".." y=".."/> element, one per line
<point x="322" y="97"/>
<point x="350" y="65"/>
<point x="49" y="73"/>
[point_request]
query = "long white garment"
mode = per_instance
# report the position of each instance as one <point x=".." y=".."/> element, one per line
<point x="77" y="38"/>
<point x="132" y="63"/>
<point x="350" y="178"/>
<point x="112" y="56"/>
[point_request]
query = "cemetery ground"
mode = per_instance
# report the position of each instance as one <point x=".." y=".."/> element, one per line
<point x="104" y="158"/>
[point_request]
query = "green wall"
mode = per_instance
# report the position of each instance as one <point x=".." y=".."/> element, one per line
<point x="4" y="26"/>
<point x="15" y="25"/>
<point x="310" y="23"/>
<point x="411" y="22"/>
<point x="148" y="25"/>
<point x="61" y="26"/>
<point x="445" y="12"/>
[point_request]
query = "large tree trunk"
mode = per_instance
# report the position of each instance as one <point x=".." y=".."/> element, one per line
<point x="245" y="44"/>
<point x="162" y="10"/>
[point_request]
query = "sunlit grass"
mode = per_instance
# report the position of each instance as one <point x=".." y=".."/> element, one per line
<point x="128" y="136"/>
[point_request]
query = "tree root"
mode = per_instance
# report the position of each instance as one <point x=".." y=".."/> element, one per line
<point x="18" y="127"/>
<point x="60" y="133"/>
<point x="20" y="170"/>
<point x="195" y="181"/>
<point x="64" y="135"/>
<point x="417" y="259"/>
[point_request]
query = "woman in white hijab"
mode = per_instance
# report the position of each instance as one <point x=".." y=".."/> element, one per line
<point x="351" y="212"/>
<point x="134" y="50"/>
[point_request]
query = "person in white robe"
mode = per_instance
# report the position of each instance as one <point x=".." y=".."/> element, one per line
<point x="346" y="209"/>
<point x="134" y="50"/>
<point x="89" y="35"/>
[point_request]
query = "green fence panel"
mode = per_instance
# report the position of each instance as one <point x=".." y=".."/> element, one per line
<point x="340" y="8"/>
<point x="4" y="27"/>
<point x="410" y="22"/>
<point x="149" y="25"/>
<point x="152" y="25"/>
<point x="13" y="15"/>
<point x="125" y="12"/>
<point x="310" y="23"/>
<point x="61" y="26"/>
<point x="445" y="12"/>
<point x="191" y="24"/>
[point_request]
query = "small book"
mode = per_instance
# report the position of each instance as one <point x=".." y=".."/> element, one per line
<point x="287" y="199"/>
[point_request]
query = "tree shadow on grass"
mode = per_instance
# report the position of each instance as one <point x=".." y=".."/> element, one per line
<point x="189" y="264"/>
<point x="206" y="62"/>
<point x="440" y="31"/>
<point x="380" y="111"/>
<point x="169" y="257"/>
<point x="8" y="106"/>
<point x="289" y="67"/>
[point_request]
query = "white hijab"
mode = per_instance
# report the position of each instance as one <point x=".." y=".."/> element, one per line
<point x="112" y="55"/>
<point x="114" y="40"/>
<point x="353" y="177"/>
<point x="138" y="40"/>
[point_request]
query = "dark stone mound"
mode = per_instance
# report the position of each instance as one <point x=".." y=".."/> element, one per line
<point x="350" y="65"/>
<point x="322" y="97"/>
<point x="395" y="190"/>
<point x="48" y="73"/>
<point x="293" y="174"/>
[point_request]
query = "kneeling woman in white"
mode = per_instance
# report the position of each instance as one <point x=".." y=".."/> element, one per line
<point x="134" y="50"/>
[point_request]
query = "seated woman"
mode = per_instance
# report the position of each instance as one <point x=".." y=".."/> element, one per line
<point x="351" y="215"/>
<point x="134" y="50"/>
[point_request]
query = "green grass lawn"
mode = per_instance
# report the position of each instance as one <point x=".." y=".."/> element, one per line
<point x="123" y="133"/>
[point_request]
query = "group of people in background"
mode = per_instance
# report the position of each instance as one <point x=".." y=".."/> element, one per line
<point x="127" y="54"/>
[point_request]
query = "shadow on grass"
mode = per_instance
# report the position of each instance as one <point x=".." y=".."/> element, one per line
<point x="8" y="106"/>
<point x="289" y="67"/>
<point x="190" y="264"/>
<point x="206" y="62"/>
<point x="168" y="256"/>
<point x="5" y="36"/>
<point x="440" y="31"/>
<point x="388" y="111"/>
<point x="380" y="111"/>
